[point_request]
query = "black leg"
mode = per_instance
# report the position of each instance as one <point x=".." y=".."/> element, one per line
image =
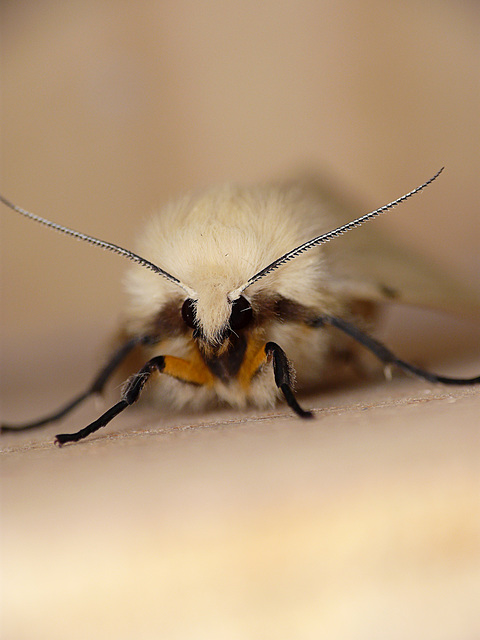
<point x="283" y="377"/>
<point x="131" y="393"/>
<point x="385" y="355"/>
<point x="96" y="387"/>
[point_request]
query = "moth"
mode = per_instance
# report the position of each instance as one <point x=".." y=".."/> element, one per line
<point x="238" y="296"/>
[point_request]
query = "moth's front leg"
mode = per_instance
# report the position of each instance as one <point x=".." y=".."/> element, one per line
<point x="283" y="372"/>
<point x="176" y="367"/>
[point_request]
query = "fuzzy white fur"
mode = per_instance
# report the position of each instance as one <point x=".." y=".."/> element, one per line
<point x="214" y="242"/>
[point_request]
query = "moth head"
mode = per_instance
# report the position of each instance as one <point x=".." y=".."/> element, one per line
<point x="214" y="318"/>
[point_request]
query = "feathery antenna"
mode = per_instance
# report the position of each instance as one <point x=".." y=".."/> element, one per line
<point x="326" y="237"/>
<point x="99" y="243"/>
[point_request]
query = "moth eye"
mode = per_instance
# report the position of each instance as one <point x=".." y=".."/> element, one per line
<point x="188" y="313"/>
<point x="241" y="315"/>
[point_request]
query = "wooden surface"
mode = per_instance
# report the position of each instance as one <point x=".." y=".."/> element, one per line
<point x="363" y="523"/>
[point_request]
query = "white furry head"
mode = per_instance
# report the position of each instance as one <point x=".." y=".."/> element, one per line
<point x="214" y="242"/>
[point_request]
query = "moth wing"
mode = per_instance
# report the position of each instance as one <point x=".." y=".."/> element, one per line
<point x="380" y="270"/>
<point x="369" y="265"/>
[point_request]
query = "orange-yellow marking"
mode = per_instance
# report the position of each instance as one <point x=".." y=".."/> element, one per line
<point x="255" y="358"/>
<point x="195" y="371"/>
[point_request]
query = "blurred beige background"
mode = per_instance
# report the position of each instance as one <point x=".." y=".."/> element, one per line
<point x="360" y="524"/>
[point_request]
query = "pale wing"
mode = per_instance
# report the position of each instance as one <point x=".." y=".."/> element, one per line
<point x="368" y="265"/>
<point x="381" y="270"/>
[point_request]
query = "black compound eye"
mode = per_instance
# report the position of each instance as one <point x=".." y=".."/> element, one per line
<point x="188" y="313"/>
<point x="241" y="315"/>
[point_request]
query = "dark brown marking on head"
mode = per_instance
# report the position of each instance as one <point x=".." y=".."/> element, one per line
<point x="291" y="311"/>
<point x="168" y="322"/>
<point x="267" y="308"/>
